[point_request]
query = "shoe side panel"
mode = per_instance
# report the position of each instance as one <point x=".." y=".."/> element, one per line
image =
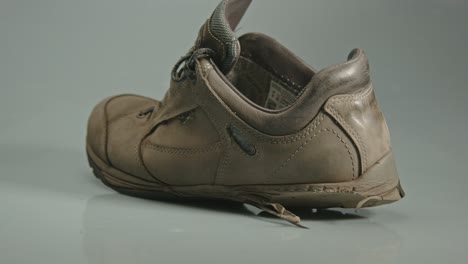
<point x="359" y="115"/>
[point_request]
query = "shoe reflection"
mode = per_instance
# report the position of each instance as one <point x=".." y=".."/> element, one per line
<point x="121" y="229"/>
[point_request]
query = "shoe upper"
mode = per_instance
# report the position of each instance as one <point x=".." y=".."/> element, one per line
<point x="245" y="111"/>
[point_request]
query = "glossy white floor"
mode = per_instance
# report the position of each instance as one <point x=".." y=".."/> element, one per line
<point x="59" y="58"/>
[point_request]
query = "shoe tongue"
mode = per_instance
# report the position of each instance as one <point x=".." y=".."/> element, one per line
<point x="218" y="34"/>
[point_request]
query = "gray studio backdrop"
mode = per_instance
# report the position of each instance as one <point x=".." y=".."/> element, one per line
<point x="59" y="58"/>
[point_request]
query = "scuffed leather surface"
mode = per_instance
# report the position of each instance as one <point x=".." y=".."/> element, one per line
<point x="177" y="100"/>
<point x="194" y="131"/>
<point x="114" y="132"/>
<point x="361" y="118"/>
<point x="340" y="142"/>
<point x="181" y="151"/>
<point x="326" y="154"/>
<point x="125" y="131"/>
<point x="320" y="152"/>
<point x="308" y="142"/>
<point x="182" y="166"/>
<point x="337" y="79"/>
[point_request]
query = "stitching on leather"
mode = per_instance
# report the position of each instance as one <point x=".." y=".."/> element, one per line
<point x="142" y="162"/>
<point x="180" y="151"/>
<point x="353" y="132"/>
<point x="265" y="138"/>
<point x="224" y="164"/>
<point x="137" y="154"/>
<point x="341" y="119"/>
<point x="227" y="157"/>
<point x="220" y="42"/>
<point x="137" y="157"/>
<point x="294" y="138"/>
<point x="242" y="152"/>
<point x="232" y="121"/>
<point x="307" y="142"/>
<point x="286" y="139"/>
<point x="349" y="152"/>
<point x="297" y="150"/>
<point x="224" y="161"/>
<point x="173" y="97"/>
<point x="152" y="127"/>
<point x="350" y="98"/>
<point x="121" y="116"/>
<point x="229" y="144"/>
<point x="107" y="123"/>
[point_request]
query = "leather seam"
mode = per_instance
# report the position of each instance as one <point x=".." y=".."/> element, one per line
<point x="156" y="121"/>
<point x="136" y="153"/>
<point x="180" y="151"/>
<point x="284" y="163"/>
<point x="238" y="149"/>
<point x="350" y="98"/>
<point x="344" y="123"/>
<point x="140" y="161"/>
<point x="284" y="139"/>
<point x="353" y="132"/>
<point x="137" y="146"/>
<point x="300" y="136"/>
<point x="224" y="161"/>
<point x="220" y="42"/>
<point x="141" y="157"/>
<point x="170" y="115"/>
<point x="107" y="123"/>
<point x="349" y="152"/>
<point x="308" y="141"/>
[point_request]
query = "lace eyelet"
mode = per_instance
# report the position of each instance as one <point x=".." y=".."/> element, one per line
<point x="185" y="67"/>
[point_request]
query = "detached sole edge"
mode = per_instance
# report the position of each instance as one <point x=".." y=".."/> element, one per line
<point x="378" y="186"/>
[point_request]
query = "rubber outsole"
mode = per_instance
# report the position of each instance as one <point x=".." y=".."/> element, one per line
<point x="379" y="185"/>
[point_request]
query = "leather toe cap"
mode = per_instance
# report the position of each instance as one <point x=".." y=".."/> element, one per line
<point x="107" y="112"/>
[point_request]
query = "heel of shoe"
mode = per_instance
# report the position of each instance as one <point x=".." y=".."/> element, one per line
<point x="380" y="178"/>
<point x="379" y="185"/>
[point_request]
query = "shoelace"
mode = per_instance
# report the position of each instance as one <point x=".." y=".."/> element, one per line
<point x="178" y="74"/>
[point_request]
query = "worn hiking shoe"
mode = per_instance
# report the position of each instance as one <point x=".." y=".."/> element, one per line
<point x="246" y="120"/>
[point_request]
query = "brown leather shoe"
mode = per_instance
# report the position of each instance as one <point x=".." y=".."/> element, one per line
<point x="246" y="120"/>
